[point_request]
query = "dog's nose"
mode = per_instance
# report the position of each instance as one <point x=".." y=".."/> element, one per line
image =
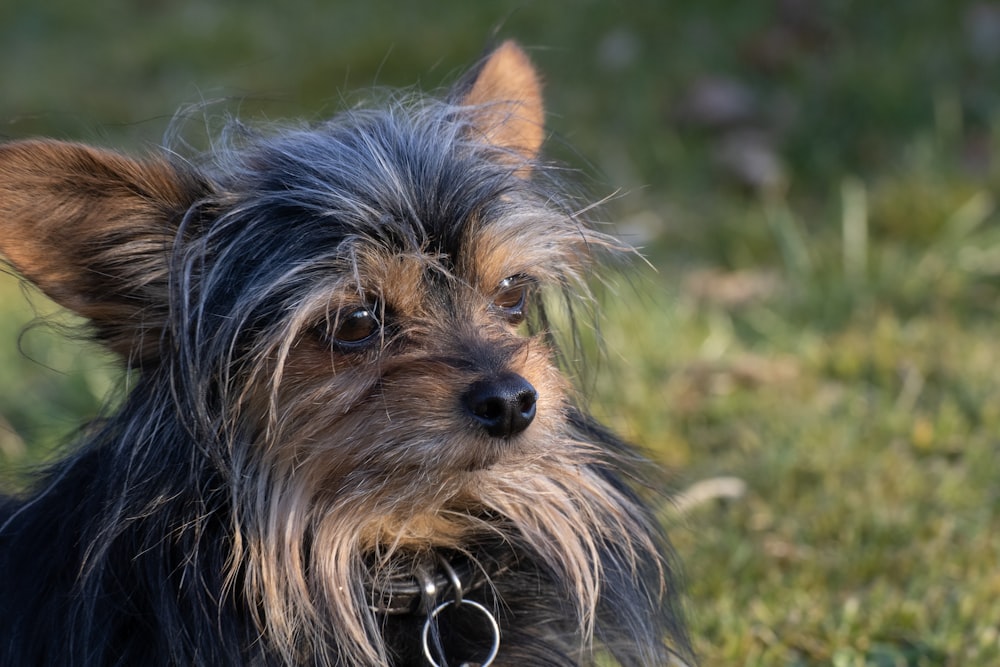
<point x="503" y="405"/>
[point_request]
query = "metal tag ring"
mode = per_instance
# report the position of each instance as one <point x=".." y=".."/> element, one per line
<point x="494" y="649"/>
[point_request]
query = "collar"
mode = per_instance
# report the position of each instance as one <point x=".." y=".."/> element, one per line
<point x="440" y="576"/>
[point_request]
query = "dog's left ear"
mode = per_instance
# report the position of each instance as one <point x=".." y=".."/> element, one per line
<point x="93" y="229"/>
<point x="505" y="95"/>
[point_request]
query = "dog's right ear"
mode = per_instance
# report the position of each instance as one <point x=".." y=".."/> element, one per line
<point x="93" y="230"/>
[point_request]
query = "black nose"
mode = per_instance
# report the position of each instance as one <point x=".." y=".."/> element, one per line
<point x="503" y="405"/>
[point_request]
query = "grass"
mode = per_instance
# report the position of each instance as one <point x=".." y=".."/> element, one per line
<point x="828" y="337"/>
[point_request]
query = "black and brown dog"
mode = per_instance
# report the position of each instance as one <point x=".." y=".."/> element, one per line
<point x="348" y="439"/>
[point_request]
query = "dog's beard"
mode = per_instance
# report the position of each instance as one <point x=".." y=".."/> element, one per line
<point x="311" y="541"/>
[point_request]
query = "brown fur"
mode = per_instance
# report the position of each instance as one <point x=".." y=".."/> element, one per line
<point x="507" y="95"/>
<point x="92" y="229"/>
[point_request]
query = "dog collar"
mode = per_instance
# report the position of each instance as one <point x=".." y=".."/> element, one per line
<point x="428" y="591"/>
<point x="421" y="590"/>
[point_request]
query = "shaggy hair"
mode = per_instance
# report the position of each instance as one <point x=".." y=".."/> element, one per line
<point x="304" y="311"/>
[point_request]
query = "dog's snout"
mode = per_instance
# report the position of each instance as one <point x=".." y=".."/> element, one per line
<point x="504" y="405"/>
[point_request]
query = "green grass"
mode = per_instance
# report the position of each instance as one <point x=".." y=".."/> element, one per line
<point x="831" y="339"/>
<point x="868" y="530"/>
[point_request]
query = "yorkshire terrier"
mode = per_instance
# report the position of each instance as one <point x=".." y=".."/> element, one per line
<point x="349" y="437"/>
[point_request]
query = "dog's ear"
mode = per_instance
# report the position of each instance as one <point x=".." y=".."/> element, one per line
<point x="93" y="230"/>
<point x="505" y="94"/>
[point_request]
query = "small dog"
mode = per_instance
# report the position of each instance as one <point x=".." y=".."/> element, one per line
<point x="348" y="440"/>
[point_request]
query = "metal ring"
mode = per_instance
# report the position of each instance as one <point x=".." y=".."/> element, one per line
<point x="494" y="649"/>
<point x="456" y="581"/>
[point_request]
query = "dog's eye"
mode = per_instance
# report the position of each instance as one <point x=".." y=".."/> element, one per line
<point x="512" y="298"/>
<point x="355" y="327"/>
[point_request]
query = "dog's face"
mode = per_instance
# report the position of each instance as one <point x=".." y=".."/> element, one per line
<point x="417" y="362"/>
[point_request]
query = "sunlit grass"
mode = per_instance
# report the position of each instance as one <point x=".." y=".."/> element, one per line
<point x="861" y="409"/>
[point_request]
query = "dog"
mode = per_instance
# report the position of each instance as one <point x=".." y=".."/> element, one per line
<point x="349" y="436"/>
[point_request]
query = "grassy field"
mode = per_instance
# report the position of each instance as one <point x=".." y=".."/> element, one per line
<point x="818" y="187"/>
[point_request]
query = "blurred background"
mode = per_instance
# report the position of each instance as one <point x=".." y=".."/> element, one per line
<point x="814" y="356"/>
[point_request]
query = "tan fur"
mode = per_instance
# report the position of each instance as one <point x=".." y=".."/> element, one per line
<point x="398" y="472"/>
<point x="508" y="96"/>
<point x="92" y="229"/>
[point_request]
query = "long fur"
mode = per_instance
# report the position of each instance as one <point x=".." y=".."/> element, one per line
<point x="258" y="477"/>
